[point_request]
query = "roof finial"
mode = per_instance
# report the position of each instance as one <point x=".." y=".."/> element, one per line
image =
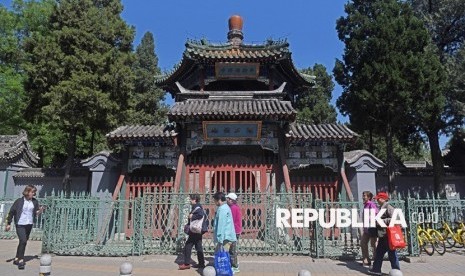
<point x="235" y="34"/>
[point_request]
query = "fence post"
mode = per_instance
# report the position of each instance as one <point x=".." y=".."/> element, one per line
<point x="319" y="238"/>
<point x="45" y="268"/>
<point x="125" y="269"/>
<point x="412" y="226"/>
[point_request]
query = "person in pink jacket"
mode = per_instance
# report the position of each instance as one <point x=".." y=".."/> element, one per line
<point x="237" y="220"/>
<point x="369" y="235"/>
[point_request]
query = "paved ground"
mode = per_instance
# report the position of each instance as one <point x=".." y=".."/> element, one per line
<point x="449" y="264"/>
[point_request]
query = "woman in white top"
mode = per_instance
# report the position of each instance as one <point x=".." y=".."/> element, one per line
<point x="23" y="212"/>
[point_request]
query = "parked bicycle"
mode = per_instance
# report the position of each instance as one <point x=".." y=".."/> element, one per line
<point x="456" y="237"/>
<point x="430" y="240"/>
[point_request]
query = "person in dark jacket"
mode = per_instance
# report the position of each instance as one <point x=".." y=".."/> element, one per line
<point x="383" y="244"/>
<point x="195" y="239"/>
<point x="23" y="213"/>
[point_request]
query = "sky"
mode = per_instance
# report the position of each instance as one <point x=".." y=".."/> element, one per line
<point x="308" y="25"/>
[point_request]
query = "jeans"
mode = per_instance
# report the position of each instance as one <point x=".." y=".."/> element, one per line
<point x="23" y="232"/>
<point x="364" y="245"/>
<point x="233" y="253"/>
<point x="381" y="250"/>
<point x="194" y="239"/>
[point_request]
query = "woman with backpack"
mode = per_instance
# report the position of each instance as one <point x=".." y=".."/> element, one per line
<point x="196" y="227"/>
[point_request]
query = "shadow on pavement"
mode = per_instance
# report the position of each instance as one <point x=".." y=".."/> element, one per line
<point x="356" y="266"/>
<point x="26" y="259"/>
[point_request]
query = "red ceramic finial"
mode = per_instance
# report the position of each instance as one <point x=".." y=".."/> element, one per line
<point x="235" y="23"/>
<point x="235" y="34"/>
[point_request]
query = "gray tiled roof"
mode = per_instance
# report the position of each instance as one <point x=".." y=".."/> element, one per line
<point x="298" y="131"/>
<point x="233" y="109"/>
<point x="276" y="52"/>
<point x="228" y="52"/>
<point x="141" y="132"/>
<point x="13" y="146"/>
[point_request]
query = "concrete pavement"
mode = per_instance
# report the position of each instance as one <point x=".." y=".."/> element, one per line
<point x="450" y="264"/>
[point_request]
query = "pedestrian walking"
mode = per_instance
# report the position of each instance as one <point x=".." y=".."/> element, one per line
<point x="383" y="243"/>
<point x="199" y="217"/>
<point x="369" y="234"/>
<point x="231" y="199"/>
<point x="224" y="233"/>
<point x="23" y="213"/>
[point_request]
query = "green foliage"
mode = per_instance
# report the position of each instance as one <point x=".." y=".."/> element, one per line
<point x="402" y="151"/>
<point x="79" y="73"/>
<point x="456" y="156"/>
<point x="12" y="96"/>
<point x="445" y="20"/>
<point x="392" y="80"/>
<point x="146" y="103"/>
<point x="314" y="105"/>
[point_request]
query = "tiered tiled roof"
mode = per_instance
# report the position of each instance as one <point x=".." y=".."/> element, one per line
<point x="233" y="109"/>
<point x="320" y="132"/>
<point x="127" y="133"/>
<point x="203" y="52"/>
<point x="13" y="148"/>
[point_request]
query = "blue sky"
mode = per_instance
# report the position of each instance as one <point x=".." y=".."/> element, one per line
<point x="309" y="26"/>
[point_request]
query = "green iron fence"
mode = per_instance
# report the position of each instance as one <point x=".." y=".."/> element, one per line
<point x="153" y="224"/>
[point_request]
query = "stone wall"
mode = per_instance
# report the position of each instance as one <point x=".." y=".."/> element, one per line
<point x="421" y="184"/>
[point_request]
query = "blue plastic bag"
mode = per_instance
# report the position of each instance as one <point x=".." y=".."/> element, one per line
<point x="223" y="263"/>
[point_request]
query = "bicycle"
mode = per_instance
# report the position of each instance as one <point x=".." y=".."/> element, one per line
<point x="425" y="241"/>
<point x="437" y="240"/>
<point x="454" y="237"/>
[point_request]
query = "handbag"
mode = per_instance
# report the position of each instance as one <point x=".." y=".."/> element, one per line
<point x="223" y="263"/>
<point x="395" y="237"/>
<point x="196" y="225"/>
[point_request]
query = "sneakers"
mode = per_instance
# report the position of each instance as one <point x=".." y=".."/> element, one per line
<point x="184" y="266"/>
<point x="21" y="265"/>
<point x="371" y="272"/>
<point x="15" y="262"/>
<point x="235" y="270"/>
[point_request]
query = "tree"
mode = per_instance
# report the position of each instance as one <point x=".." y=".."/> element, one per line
<point x="80" y="75"/>
<point x="383" y="42"/>
<point x="11" y="88"/>
<point x="427" y="83"/>
<point x="146" y="100"/>
<point x="455" y="158"/>
<point x="445" y="21"/>
<point x="402" y="151"/>
<point x="314" y="105"/>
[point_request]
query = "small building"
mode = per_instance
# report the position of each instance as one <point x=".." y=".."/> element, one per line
<point x="15" y="155"/>
<point x="233" y="127"/>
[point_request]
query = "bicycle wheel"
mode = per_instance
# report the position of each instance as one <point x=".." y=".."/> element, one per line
<point x="450" y="242"/>
<point x="425" y="243"/>
<point x="438" y="242"/>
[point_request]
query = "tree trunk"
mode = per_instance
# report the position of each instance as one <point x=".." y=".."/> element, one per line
<point x="390" y="159"/>
<point x="71" y="150"/>
<point x="438" y="163"/>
